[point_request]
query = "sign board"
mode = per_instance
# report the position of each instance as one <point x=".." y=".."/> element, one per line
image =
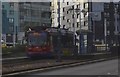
<point x="96" y="16"/>
<point x="21" y="35"/>
<point x="3" y="37"/>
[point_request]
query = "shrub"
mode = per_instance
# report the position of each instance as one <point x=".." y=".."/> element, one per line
<point x="7" y="50"/>
<point x="17" y="48"/>
<point x="20" y="48"/>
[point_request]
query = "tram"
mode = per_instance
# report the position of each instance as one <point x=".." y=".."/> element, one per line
<point x="43" y="42"/>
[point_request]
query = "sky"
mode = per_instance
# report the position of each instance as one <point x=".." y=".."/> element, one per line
<point x="58" y="0"/>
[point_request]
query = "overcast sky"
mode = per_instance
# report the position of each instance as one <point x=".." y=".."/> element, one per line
<point x="58" y="0"/>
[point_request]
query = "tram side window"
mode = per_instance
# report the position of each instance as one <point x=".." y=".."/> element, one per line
<point x="48" y="40"/>
<point x="54" y="41"/>
<point x="63" y="41"/>
<point x="70" y="41"/>
<point x="67" y="41"/>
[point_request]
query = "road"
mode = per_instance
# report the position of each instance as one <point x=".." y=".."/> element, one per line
<point x="101" y="68"/>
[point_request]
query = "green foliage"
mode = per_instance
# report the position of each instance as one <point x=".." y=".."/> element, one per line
<point x="16" y="49"/>
<point x="26" y="28"/>
<point x="7" y="50"/>
<point x="20" y="48"/>
<point x="66" y="52"/>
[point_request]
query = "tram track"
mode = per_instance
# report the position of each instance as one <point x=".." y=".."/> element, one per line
<point x="29" y="65"/>
<point x="55" y="66"/>
<point x="11" y="61"/>
<point x="18" y="62"/>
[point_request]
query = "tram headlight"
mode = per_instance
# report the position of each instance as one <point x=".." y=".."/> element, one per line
<point x="29" y="48"/>
<point x="36" y="47"/>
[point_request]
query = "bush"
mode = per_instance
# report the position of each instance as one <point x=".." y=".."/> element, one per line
<point x="20" y="48"/>
<point x="17" y="48"/>
<point x="7" y="50"/>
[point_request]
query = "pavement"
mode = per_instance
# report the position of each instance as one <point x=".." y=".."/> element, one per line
<point x="21" y="56"/>
<point x="49" y="66"/>
<point x="100" y="68"/>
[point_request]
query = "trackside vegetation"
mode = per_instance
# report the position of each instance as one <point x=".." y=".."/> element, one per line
<point x="13" y="50"/>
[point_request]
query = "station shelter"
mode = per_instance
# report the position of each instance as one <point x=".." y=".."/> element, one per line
<point x="85" y="41"/>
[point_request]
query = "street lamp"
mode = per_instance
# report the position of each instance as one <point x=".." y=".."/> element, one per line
<point x="105" y="34"/>
<point x="59" y="36"/>
<point x="78" y="11"/>
<point x="69" y="25"/>
<point x="116" y="25"/>
<point x="73" y="10"/>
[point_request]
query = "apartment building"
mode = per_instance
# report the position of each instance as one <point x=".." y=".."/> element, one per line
<point x="10" y="21"/>
<point x="34" y="14"/>
<point x="69" y="18"/>
<point x="72" y="17"/>
<point x="93" y="18"/>
<point x="18" y="16"/>
<point x="101" y="14"/>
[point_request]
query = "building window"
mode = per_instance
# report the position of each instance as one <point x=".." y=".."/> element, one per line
<point x="108" y="23"/>
<point x="22" y="27"/>
<point x="77" y="15"/>
<point x="11" y="4"/>
<point x="106" y="14"/>
<point x="45" y="14"/>
<point x="63" y="9"/>
<point x="73" y="25"/>
<point x="63" y="17"/>
<point x="50" y="4"/>
<point x="35" y="13"/>
<point x="67" y="12"/>
<point x="84" y="23"/>
<point x="11" y="20"/>
<point x="86" y="5"/>
<point x="106" y="5"/>
<point x="108" y="32"/>
<point x="11" y="28"/>
<point x="3" y="6"/>
<point x="11" y="12"/>
<point x="77" y="24"/>
<point x="3" y="12"/>
<point x="67" y="3"/>
<point x="63" y="26"/>
<point x="68" y="20"/>
<point x="73" y="16"/>
<point x="77" y="6"/>
<point x="73" y="7"/>
<point x="26" y="13"/>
